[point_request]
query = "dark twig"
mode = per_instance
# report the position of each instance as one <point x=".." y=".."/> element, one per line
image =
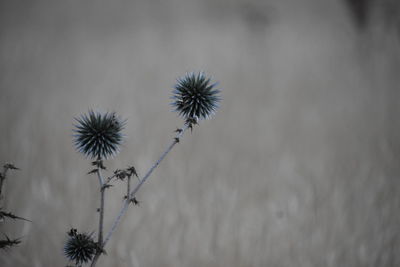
<point x="4" y="214"/>
<point x="3" y="175"/>
<point x="7" y="243"/>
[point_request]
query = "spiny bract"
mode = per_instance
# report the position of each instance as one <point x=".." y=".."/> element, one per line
<point x="80" y="247"/>
<point x="195" y="97"/>
<point x="98" y="135"/>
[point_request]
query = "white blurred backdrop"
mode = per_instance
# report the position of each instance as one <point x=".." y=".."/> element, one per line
<point x="299" y="167"/>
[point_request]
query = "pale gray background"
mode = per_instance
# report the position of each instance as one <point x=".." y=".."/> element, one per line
<point x="299" y="167"/>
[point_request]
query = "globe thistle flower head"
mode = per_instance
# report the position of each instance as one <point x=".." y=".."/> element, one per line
<point x="194" y="96"/>
<point x="79" y="247"/>
<point x="98" y="135"/>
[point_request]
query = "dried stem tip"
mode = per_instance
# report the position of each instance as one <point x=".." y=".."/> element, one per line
<point x="98" y="135"/>
<point x="195" y="97"/>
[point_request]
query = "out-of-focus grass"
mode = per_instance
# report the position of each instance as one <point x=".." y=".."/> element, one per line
<point x="298" y="168"/>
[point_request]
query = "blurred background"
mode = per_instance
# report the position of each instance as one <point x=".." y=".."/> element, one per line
<point x="299" y="167"/>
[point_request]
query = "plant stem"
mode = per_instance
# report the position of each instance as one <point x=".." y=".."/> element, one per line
<point x="132" y="193"/>
<point x="128" y="187"/>
<point x="101" y="218"/>
<point x="2" y="178"/>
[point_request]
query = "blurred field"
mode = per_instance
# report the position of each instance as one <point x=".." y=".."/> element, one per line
<point x="300" y="166"/>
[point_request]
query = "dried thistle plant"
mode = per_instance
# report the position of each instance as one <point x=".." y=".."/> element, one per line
<point x="195" y="97"/>
<point x="3" y="175"/>
<point x="7" y="242"/>
<point x="99" y="136"/>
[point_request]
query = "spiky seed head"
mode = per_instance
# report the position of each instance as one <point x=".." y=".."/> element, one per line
<point x="195" y="97"/>
<point x="80" y="247"/>
<point x="98" y="135"/>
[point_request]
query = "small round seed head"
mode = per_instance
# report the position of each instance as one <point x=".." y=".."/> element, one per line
<point x="98" y="135"/>
<point x="195" y="97"/>
<point x="80" y="247"/>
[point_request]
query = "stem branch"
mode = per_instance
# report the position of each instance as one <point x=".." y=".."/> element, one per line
<point x="132" y="193"/>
